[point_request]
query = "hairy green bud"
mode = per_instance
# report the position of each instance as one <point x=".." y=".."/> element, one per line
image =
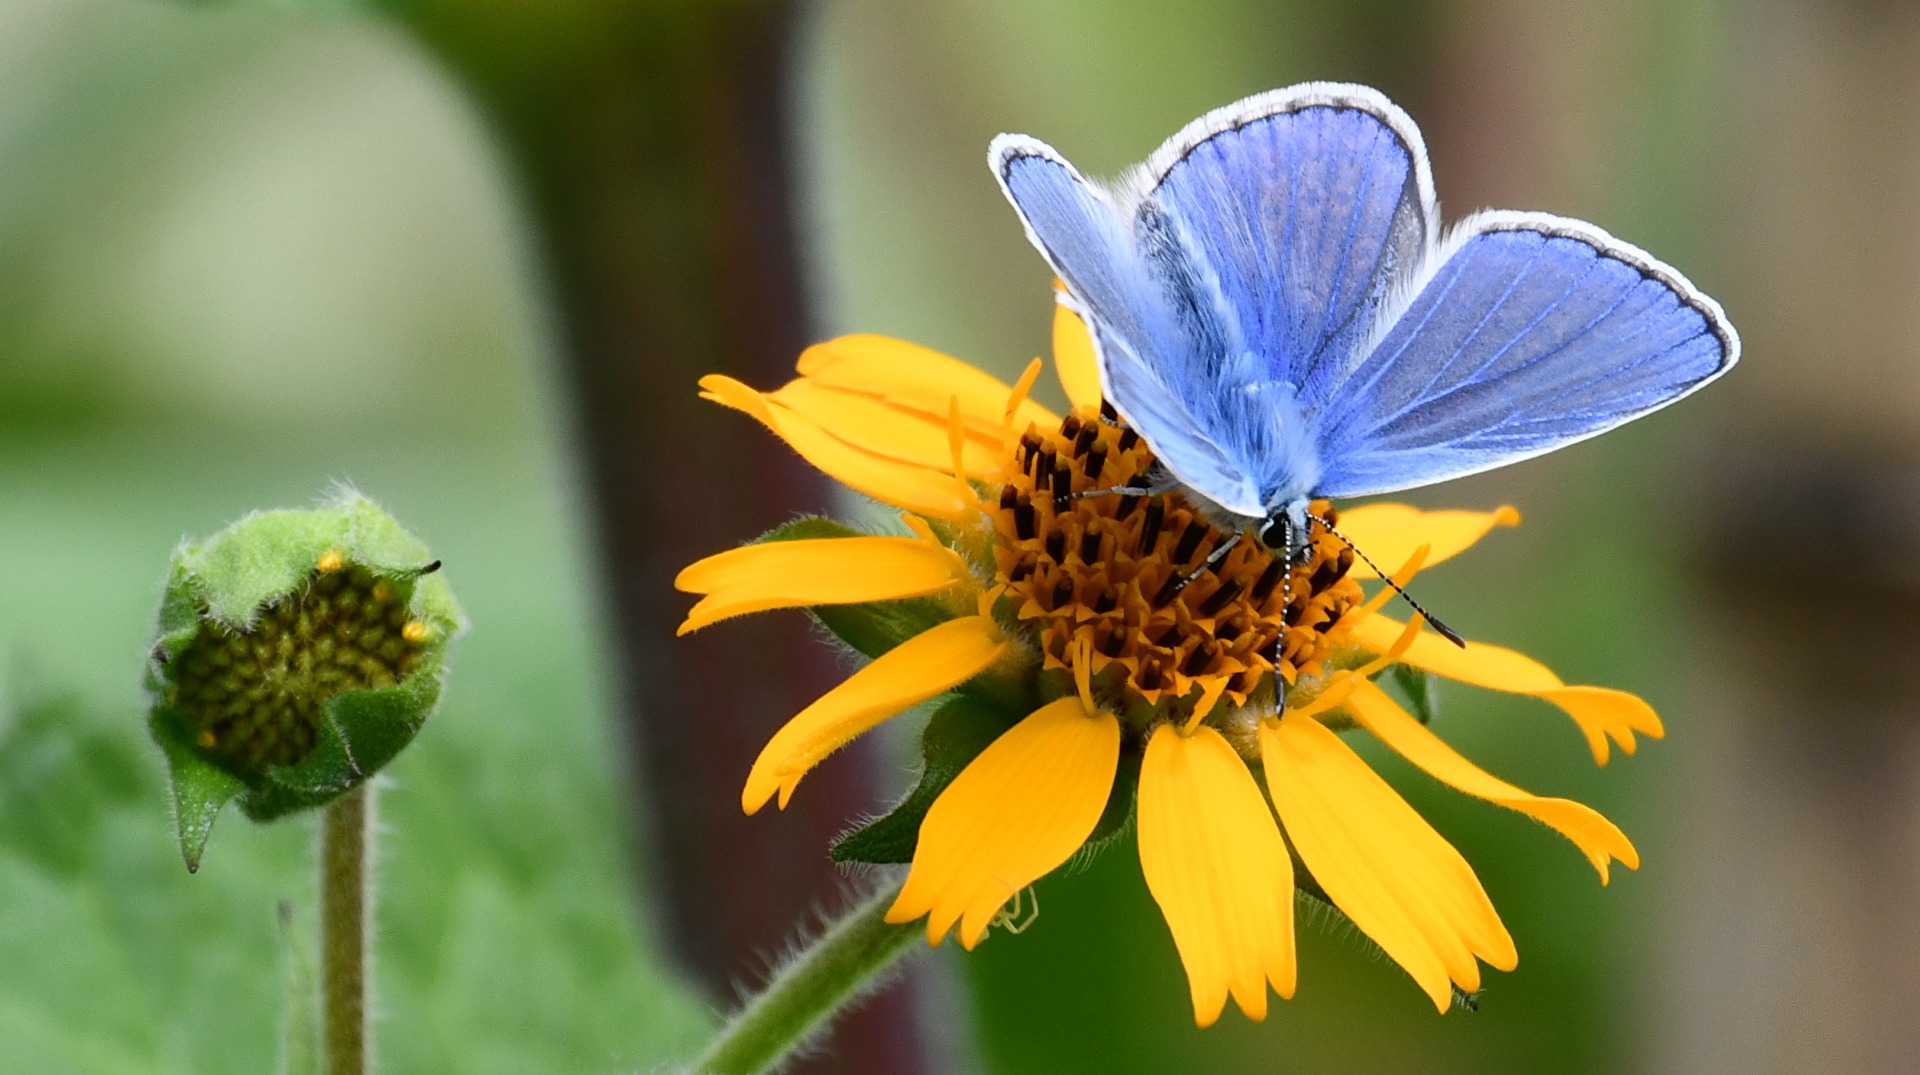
<point x="297" y="653"/>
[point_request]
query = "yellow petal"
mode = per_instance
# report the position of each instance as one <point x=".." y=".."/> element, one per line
<point x="874" y="425"/>
<point x="930" y="663"/>
<point x="1216" y="865"/>
<point x="823" y="571"/>
<point x="1073" y="358"/>
<point x="908" y="375"/>
<point x="1381" y="863"/>
<point x="1599" y="711"/>
<point x="1390" y="532"/>
<point x="1020" y="809"/>
<point x="1597" y="837"/>
<point x="904" y="485"/>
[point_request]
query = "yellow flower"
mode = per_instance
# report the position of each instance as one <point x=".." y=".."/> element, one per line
<point x="1090" y="613"/>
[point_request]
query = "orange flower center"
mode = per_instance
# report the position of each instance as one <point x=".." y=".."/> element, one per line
<point x="1120" y="577"/>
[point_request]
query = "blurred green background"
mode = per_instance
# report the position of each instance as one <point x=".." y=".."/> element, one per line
<point x="248" y="250"/>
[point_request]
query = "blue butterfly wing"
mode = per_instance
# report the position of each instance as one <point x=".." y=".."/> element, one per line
<point x="1305" y="205"/>
<point x="1533" y="332"/>
<point x="1229" y="280"/>
<point x="1143" y="331"/>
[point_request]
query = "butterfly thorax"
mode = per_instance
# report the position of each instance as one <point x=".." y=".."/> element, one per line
<point x="1262" y="430"/>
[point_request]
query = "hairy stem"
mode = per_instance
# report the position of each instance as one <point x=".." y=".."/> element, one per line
<point x="822" y="980"/>
<point x="344" y="902"/>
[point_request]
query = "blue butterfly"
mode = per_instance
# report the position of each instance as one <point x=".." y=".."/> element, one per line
<point x="1277" y="313"/>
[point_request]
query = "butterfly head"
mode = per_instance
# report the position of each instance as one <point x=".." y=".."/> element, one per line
<point x="1285" y="531"/>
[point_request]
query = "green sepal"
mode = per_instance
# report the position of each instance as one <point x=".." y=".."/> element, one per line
<point x="1421" y="690"/>
<point x="200" y="790"/>
<point x="808" y="528"/>
<point x="267" y="554"/>
<point x="363" y="731"/>
<point x="956" y="734"/>
<point x="226" y="583"/>
<point x="875" y="627"/>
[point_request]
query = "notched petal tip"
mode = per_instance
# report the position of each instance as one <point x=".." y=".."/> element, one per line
<point x="1215" y="862"/>
<point x="1598" y="838"/>
<point x="728" y="392"/>
<point x="1601" y="713"/>
<point x="1394" y="876"/>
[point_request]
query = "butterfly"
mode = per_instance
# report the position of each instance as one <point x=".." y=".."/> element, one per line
<point x="1277" y="312"/>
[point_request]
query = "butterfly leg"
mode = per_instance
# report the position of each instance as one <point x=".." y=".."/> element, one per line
<point x="1160" y="489"/>
<point x="1206" y="565"/>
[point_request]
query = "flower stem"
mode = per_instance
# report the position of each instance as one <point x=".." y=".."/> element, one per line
<point x="344" y="901"/>
<point x="819" y="982"/>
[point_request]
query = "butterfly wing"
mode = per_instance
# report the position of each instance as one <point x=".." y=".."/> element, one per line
<point x="1229" y="280"/>
<point x="1305" y="206"/>
<point x="1532" y="332"/>
<point x="1142" y="340"/>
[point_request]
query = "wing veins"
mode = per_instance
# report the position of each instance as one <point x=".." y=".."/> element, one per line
<point x="1620" y="370"/>
<point x="1480" y="326"/>
<point x="1327" y="337"/>
<point x="1471" y="380"/>
<point x="1387" y="363"/>
<point x="1532" y="411"/>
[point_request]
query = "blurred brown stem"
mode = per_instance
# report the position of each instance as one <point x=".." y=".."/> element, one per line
<point x="653" y="143"/>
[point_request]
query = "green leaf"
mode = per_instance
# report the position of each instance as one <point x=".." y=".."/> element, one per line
<point x="502" y="949"/>
<point x="956" y="734"/>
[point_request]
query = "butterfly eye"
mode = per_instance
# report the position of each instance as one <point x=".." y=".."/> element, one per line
<point x="1274" y="533"/>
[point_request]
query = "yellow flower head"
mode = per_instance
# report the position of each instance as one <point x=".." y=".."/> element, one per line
<point x="1086" y="635"/>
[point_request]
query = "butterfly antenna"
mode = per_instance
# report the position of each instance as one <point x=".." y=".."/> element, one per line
<point x="1445" y="632"/>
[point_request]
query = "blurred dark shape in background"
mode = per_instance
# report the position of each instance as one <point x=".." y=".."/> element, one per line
<point x="655" y="145"/>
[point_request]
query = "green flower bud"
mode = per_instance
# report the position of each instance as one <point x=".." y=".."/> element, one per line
<point x="297" y="653"/>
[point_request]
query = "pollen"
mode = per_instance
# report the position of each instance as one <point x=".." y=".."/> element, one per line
<point x="330" y="561"/>
<point x="1122" y="577"/>
<point x="254" y="698"/>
